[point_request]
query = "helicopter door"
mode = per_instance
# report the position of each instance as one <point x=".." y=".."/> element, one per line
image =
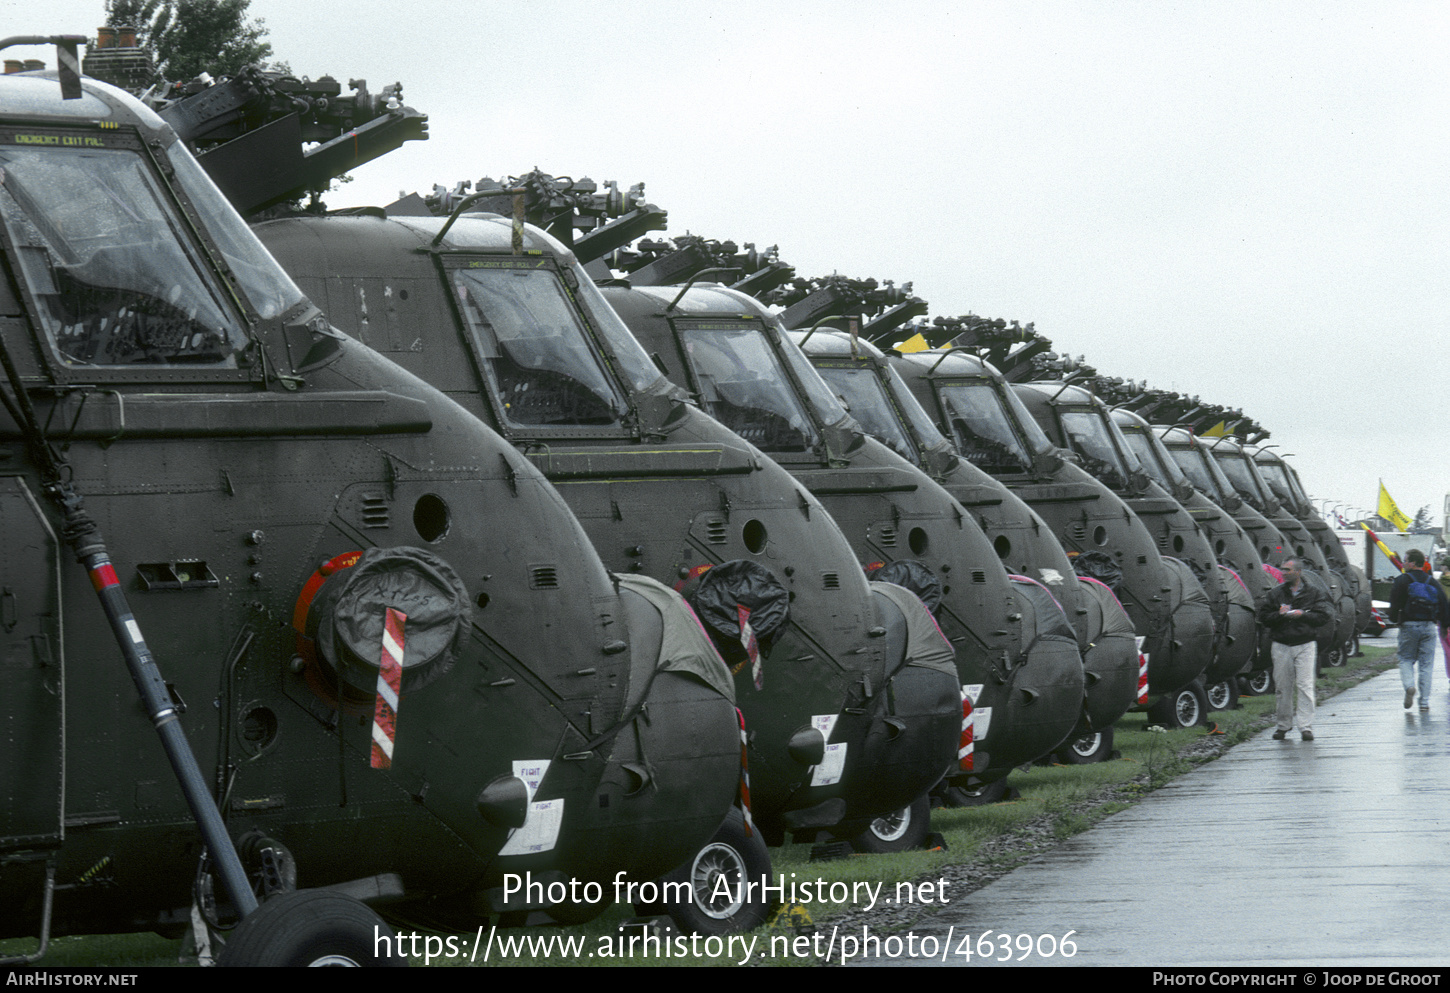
<point x="32" y="698"/>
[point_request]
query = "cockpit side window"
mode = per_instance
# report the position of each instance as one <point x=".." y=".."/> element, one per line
<point x="1089" y="437"/>
<point x="106" y="255"/>
<point x="981" y="428"/>
<point x="743" y="386"/>
<point x="1154" y="457"/>
<point x="869" y="404"/>
<point x="269" y="289"/>
<point x="534" y="348"/>
<point x="1236" y="467"/>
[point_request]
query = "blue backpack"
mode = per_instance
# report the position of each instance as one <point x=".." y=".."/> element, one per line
<point x="1425" y="595"/>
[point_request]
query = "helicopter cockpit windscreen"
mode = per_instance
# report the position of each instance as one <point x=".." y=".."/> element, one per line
<point x="744" y="386"/>
<point x="270" y="290"/>
<point x="107" y="258"/>
<point x="1155" y="459"/>
<point x="983" y="429"/>
<point x="1282" y="482"/>
<point x="1088" y="435"/>
<point x="1241" y="474"/>
<point x="927" y="434"/>
<point x="861" y="388"/>
<point x="1202" y="471"/>
<point x="534" y="349"/>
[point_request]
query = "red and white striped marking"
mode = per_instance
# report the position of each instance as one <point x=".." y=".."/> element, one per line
<point x="965" y="747"/>
<point x="752" y="647"/>
<point x="744" y="777"/>
<point x="390" y="684"/>
<point x="1142" y="671"/>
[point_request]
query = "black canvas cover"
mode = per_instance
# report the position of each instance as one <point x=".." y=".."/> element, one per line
<point x="913" y="576"/>
<point x="747" y="584"/>
<point x="411" y="580"/>
<point x="1099" y="566"/>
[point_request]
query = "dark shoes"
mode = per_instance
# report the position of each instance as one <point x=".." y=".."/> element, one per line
<point x="1307" y="736"/>
<point x="1279" y="734"/>
<point x="1410" y="700"/>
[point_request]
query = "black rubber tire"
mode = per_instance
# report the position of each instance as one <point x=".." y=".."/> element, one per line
<point x="1090" y="748"/>
<point x="1224" y="695"/>
<point x="1340" y="654"/>
<point x="1185" y="708"/>
<point x="902" y="831"/>
<point x="737" y="857"/>
<point x="976" y="796"/>
<point x="310" y="928"/>
<point x="1258" y="683"/>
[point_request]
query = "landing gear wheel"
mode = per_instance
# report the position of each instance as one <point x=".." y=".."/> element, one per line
<point x="1090" y="748"/>
<point x="899" y="831"/>
<point x="310" y="928"/>
<point x="976" y="796"/>
<point x="716" y="874"/>
<point x="1339" y="654"/>
<point x="1223" y="696"/>
<point x="1258" y="683"/>
<point x="1185" y="708"/>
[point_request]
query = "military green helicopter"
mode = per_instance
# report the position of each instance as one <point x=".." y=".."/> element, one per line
<point x="1285" y="484"/>
<point x="877" y="398"/>
<point x="1238" y="465"/>
<point x="1190" y="454"/>
<point x="851" y="723"/>
<point x="409" y="675"/>
<point x="1015" y="652"/>
<point x="1241" y="570"/>
<point x="847" y="688"/>
<point x="974" y="405"/>
<point x="1076" y="420"/>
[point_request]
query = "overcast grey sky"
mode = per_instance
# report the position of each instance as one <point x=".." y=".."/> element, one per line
<point x="1246" y="201"/>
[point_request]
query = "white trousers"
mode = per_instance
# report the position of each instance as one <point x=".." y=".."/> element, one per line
<point x="1294" y="675"/>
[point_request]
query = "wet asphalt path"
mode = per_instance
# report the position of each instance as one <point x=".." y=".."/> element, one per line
<point x="1322" y="853"/>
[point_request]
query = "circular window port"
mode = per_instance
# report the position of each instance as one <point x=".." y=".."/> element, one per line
<point x="755" y="536"/>
<point x="1178" y="542"/>
<point x="1003" y="547"/>
<point x="482" y="600"/>
<point x="1100" y="535"/>
<point x="1218" y="547"/>
<point x="917" y="541"/>
<point x="430" y="517"/>
<point x="1264" y="553"/>
<point x="258" y="729"/>
<point x="1299" y="549"/>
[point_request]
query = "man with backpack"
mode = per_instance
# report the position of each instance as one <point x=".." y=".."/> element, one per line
<point x="1418" y="605"/>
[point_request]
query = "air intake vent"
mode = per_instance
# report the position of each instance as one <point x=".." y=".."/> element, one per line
<point x="543" y="577"/>
<point x="978" y="576"/>
<point x="1163" y="540"/>
<point x="830" y="581"/>
<point x="1077" y="531"/>
<point x="715" y="531"/>
<point x="375" y="511"/>
<point x="888" y="535"/>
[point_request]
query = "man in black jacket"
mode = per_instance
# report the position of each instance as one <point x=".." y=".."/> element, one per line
<point x="1418" y="617"/>
<point x="1293" y="611"/>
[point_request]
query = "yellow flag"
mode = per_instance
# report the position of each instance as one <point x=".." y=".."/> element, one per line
<point x="1392" y="513"/>
<point x="916" y="343"/>
<point x="1217" y="431"/>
